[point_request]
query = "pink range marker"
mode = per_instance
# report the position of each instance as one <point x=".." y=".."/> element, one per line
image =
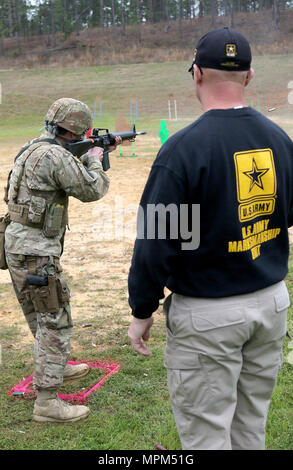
<point x="23" y="388"/>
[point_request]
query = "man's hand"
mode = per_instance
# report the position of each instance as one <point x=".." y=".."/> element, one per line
<point x="138" y="331"/>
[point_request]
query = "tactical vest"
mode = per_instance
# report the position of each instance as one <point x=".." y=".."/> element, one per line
<point x="47" y="210"/>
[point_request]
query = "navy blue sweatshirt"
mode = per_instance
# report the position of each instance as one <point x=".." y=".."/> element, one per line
<point x="238" y="166"/>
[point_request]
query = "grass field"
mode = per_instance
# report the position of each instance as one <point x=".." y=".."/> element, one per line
<point x="132" y="410"/>
<point x="27" y="94"/>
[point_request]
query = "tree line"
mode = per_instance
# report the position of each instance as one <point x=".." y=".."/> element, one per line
<point x="27" y="18"/>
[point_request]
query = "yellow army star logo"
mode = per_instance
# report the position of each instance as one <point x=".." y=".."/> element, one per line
<point x="255" y="175"/>
<point x="231" y="50"/>
<point x="256" y="183"/>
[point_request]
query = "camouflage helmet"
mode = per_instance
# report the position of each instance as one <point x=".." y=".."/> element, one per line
<point x="70" y="114"/>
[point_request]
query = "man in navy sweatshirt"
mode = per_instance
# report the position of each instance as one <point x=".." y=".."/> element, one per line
<point x="229" y="177"/>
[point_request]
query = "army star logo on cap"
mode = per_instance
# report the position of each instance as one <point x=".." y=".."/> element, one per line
<point x="231" y="50"/>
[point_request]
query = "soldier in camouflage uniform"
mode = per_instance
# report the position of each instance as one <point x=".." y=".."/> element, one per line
<point x="45" y="174"/>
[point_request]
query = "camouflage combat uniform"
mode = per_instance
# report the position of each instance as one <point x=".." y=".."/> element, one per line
<point x="43" y="178"/>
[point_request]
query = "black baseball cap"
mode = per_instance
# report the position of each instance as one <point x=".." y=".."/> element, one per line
<point x="222" y="49"/>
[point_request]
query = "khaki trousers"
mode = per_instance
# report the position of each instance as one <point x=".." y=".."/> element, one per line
<point x="222" y="358"/>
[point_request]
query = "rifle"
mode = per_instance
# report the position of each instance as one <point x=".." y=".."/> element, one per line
<point x="104" y="141"/>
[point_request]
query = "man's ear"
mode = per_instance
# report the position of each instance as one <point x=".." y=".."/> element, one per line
<point x="249" y="76"/>
<point x="197" y="74"/>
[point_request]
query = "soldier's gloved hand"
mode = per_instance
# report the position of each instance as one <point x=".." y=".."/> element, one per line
<point x="96" y="152"/>
<point x="92" y="155"/>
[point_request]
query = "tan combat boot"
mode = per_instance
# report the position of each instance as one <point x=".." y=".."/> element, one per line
<point x="74" y="372"/>
<point x="49" y="408"/>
